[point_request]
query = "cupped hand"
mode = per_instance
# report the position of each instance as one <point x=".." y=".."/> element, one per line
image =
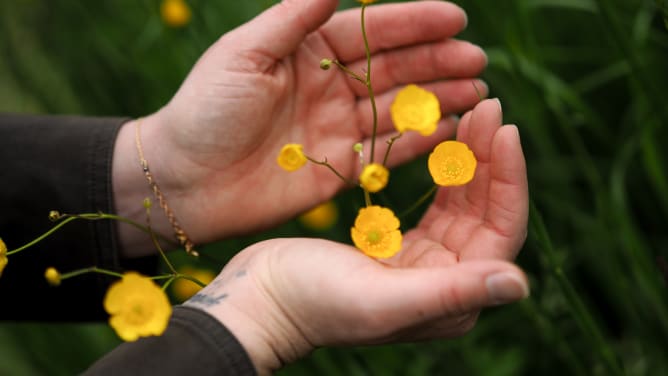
<point x="213" y="147"/>
<point x="284" y="297"/>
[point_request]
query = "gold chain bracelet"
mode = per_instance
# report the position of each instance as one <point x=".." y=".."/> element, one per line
<point x="179" y="233"/>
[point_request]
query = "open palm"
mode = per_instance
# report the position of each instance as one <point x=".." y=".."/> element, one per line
<point x="304" y="293"/>
<point x="260" y="87"/>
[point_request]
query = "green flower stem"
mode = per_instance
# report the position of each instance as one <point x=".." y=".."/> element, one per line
<point x="67" y="218"/>
<point x="160" y="277"/>
<point x="156" y="243"/>
<point x="367" y="82"/>
<point x="349" y="72"/>
<point x="169" y="282"/>
<point x="367" y="197"/>
<point x="390" y="142"/>
<point x="192" y="279"/>
<point x="42" y="237"/>
<point x="173" y="277"/>
<point x="578" y="308"/>
<point x="92" y="269"/>
<point x="329" y="166"/>
<point x="419" y="201"/>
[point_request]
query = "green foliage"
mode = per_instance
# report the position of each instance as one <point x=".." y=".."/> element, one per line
<point x="584" y="82"/>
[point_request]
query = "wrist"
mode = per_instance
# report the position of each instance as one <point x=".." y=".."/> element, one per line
<point x="239" y="300"/>
<point x="130" y="188"/>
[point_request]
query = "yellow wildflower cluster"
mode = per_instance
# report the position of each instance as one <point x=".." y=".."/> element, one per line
<point x="376" y="229"/>
<point x="138" y="307"/>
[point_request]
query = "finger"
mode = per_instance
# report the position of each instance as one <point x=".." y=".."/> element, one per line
<point x="508" y="203"/>
<point x="433" y="219"/>
<point x="390" y="26"/>
<point x="505" y="221"/>
<point x="463" y="126"/>
<point x="428" y="294"/>
<point x="455" y="96"/>
<point x="285" y="25"/>
<point x="486" y="119"/>
<point x="422" y="63"/>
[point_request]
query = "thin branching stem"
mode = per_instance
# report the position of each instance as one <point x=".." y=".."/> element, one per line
<point x="349" y="72"/>
<point x="419" y="201"/>
<point x="67" y="218"/>
<point x="390" y="142"/>
<point x="367" y="82"/>
<point x="92" y="269"/>
<point x="329" y="166"/>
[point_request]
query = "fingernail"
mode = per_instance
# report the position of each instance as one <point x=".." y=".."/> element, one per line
<point x="498" y="101"/>
<point x="506" y="287"/>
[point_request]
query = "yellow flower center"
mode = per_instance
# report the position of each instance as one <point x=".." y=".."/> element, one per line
<point x="292" y="156"/>
<point x="453" y="168"/>
<point x="374" y="237"/>
<point x="138" y="313"/>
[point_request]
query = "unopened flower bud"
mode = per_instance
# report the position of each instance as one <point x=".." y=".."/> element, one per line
<point x="357" y="147"/>
<point x="54" y="215"/>
<point x="52" y="276"/>
<point x="325" y="64"/>
<point x="147" y="203"/>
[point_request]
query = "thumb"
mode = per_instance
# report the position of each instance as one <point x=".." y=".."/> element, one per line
<point x="431" y="293"/>
<point x="278" y="31"/>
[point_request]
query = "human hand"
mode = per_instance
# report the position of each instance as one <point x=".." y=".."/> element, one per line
<point x="213" y="148"/>
<point x="282" y="298"/>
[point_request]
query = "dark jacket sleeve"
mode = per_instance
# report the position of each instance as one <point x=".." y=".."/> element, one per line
<point x="64" y="164"/>
<point x="57" y="163"/>
<point x="194" y="344"/>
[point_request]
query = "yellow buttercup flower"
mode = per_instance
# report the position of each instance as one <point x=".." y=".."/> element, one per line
<point x="366" y="1"/>
<point x="291" y="158"/>
<point x="452" y="163"/>
<point x="138" y="307"/>
<point x="3" y="256"/>
<point x="374" y="177"/>
<point x="321" y="217"/>
<point x="52" y="276"/>
<point x="183" y="289"/>
<point x="175" y="13"/>
<point x="376" y="232"/>
<point x="415" y="109"/>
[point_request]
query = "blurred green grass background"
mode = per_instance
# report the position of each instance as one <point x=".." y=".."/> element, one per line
<point x="583" y="79"/>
